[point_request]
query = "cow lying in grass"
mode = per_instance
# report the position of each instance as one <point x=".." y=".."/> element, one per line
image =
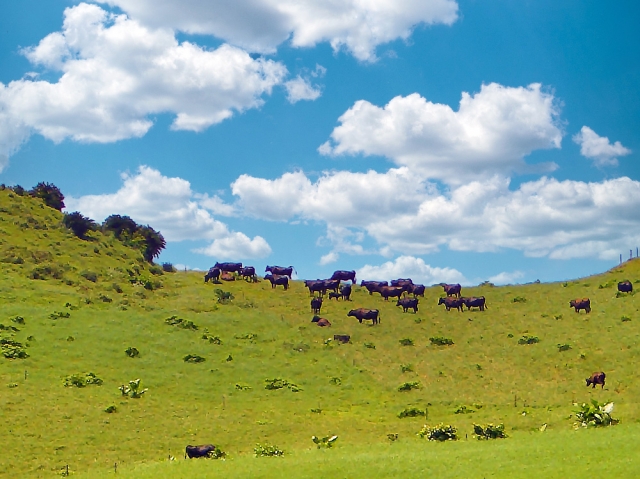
<point x="322" y="322"/>
<point x="200" y="451"/>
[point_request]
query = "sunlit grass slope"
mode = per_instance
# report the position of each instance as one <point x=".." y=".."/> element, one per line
<point x="350" y="390"/>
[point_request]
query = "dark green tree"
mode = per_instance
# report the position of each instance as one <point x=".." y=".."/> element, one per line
<point x="79" y="224"/>
<point x="50" y="194"/>
<point x="121" y="226"/>
<point x="152" y="242"/>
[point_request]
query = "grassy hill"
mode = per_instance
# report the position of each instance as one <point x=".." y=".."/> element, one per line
<point x="84" y="302"/>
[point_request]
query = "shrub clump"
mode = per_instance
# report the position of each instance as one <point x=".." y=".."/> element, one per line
<point x="267" y="450"/>
<point x="490" y="431"/>
<point x="132" y="352"/>
<point x="278" y="383"/>
<point x="11" y="349"/>
<point x="528" y="339"/>
<point x="408" y="386"/>
<point x="463" y="409"/>
<point x="326" y="442"/>
<point x="18" y="319"/>
<point x="406" y="368"/>
<point x="594" y="414"/>
<point x="46" y="271"/>
<point x="441" y="432"/>
<point x="519" y="299"/>
<point x="224" y="297"/>
<point x="212" y="339"/>
<point x="193" y="358"/>
<point x="80" y="380"/>
<point x="59" y="314"/>
<point x="406" y="342"/>
<point x="110" y="409"/>
<point x="79" y="224"/>
<point x="441" y="341"/>
<point x="181" y="323"/>
<point x="563" y="347"/>
<point x="168" y="268"/>
<point x="369" y="345"/>
<point x="133" y="389"/>
<point x="412" y="412"/>
<point x="89" y="276"/>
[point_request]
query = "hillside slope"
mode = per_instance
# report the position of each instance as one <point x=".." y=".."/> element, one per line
<point x="264" y="333"/>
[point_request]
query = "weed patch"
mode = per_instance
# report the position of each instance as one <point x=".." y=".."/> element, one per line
<point x="266" y="450"/>
<point x="412" y="412"/>
<point x="490" y="431"/>
<point x="279" y="383"/>
<point x="408" y="386"/>
<point x="326" y="441"/>
<point x="181" y="323"/>
<point x="406" y="342"/>
<point x="441" y="432"/>
<point x="80" y="380"/>
<point x="441" y="341"/>
<point x="133" y="389"/>
<point x="528" y="339"/>
<point x="11" y="349"/>
<point x="594" y="414"/>
<point x="193" y="358"/>
<point x="132" y="352"/>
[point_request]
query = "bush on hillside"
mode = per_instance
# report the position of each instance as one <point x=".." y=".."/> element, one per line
<point x="594" y="414"/>
<point x="408" y="386"/>
<point x="46" y="272"/>
<point x="441" y="341"/>
<point x="181" y="323"/>
<point x="80" y="380"/>
<point x="50" y="194"/>
<point x="412" y="412"/>
<point x="168" y="268"/>
<point x="528" y="339"/>
<point x="132" y="352"/>
<point x="18" y="190"/>
<point x="463" y="409"/>
<point x="122" y="227"/>
<point x="193" y="358"/>
<point x="224" y="297"/>
<point x="441" y="432"/>
<point x="89" y="276"/>
<point x="279" y="383"/>
<point x="490" y="431"/>
<point x="79" y="224"/>
<point x="406" y="368"/>
<point x="156" y="270"/>
<point x="152" y="242"/>
<point x="406" y="342"/>
<point x="267" y="451"/>
<point x="11" y="349"/>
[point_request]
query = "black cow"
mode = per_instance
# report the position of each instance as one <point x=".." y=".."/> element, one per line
<point x="451" y="303"/>
<point x="280" y="270"/>
<point x="345" y="292"/>
<point x="277" y="280"/>
<point x="343" y="338"/>
<point x="404" y="282"/>
<point x="417" y="290"/>
<point x="407" y="303"/>
<point x="474" y="302"/>
<point x="579" y="304"/>
<point x="596" y="378"/>
<point x="452" y="289"/>
<point x="316" y="304"/>
<point x="200" y="451"/>
<point x="373" y="286"/>
<point x="315" y="286"/>
<point x="230" y="267"/>
<point x="331" y="285"/>
<point x="334" y="295"/>
<point x="362" y="313"/>
<point x="248" y="273"/>
<point x="391" y="291"/>
<point x="341" y="275"/>
<point x="213" y="274"/>
<point x="625" y="287"/>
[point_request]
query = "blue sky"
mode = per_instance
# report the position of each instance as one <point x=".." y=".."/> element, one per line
<point x="443" y="140"/>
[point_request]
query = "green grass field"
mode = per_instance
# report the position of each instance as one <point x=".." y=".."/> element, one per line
<point x="346" y="389"/>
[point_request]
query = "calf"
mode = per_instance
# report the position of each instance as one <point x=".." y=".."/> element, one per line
<point x="200" y="451"/>
<point x="322" y="322"/>
<point x="451" y="303"/>
<point x="345" y="292"/>
<point x="227" y="276"/>
<point x="407" y="303"/>
<point x="596" y="378"/>
<point x="473" y="302"/>
<point x="362" y="313"/>
<point x="625" y="287"/>
<point x="334" y="295"/>
<point x="579" y="304"/>
<point x="316" y="304"/>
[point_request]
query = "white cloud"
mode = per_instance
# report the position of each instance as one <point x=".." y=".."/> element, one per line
<point x="358" y="26"/>
<point x="491" y="132"/>
<point x="167" y="205"/>
<point x="329" y="258"/>
<point x="300" y="89"/>
<point x="506" y="277"/>
<point x="410" y="267"/>
<point x="116" y="72"/>
<point x="599" y="148"/>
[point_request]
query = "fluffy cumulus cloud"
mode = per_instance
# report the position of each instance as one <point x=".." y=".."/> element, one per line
<point x="358" y="26"/>
<point x="411" y="267"/>
<point x="115" y="72"/>
<point x="599" y="148"/>
<point x="170" y="206"/>
<point x="506" y="277"/>
<point x="300" y="89"/>
<point x="492" y="131"/>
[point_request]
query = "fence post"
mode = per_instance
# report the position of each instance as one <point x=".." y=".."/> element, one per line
<point x="630" y="253"/>
<point x="620" y="258"/>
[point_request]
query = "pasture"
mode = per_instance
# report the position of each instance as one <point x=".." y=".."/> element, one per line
<point x="84" y="303"/>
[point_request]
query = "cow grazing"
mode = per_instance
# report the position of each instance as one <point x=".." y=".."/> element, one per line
<point x="316" y="304"/>
<point x="596" y="378"/>
<point x="373" y="286"/>
<point x="229" y="267"/>
<point x="391" y="291"/>
<point x="362" y="313"/>
<point x="407" y="303"/>
<point x="343" y="338"/>
<point x="344" y="276"/>
<point x="280" y="270"/>
<point x="213" y="274"/>
<point x="417" y="290"/>
<point x="579" y="304"/>
<point x="451" y="303"/>
<point x="322" y="322"/>
<point x="277" y="280"/>
<point x="474" y="302"/>
<point x="625" y="287"/>
<point x="200" y="451"/>
<point x="248" y="273"/>
<point x="334" y="295"/>
<point x="345" y="292"/>
<point x="452" y="289"/>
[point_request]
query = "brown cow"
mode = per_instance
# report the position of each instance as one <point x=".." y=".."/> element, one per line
<point x="452" y="289"/>
<point x="579" y="304"/>
<point x="322" y="322"/>
<point x="391" y="291"/>
<point x="451" y="303"/>
<point x="227" y="276"/>
<point x="596" y="378"/>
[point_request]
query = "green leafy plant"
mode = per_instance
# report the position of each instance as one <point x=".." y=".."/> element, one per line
<point x="79" y="224"/>
<point x="563" y="347"/>
<point x="519" y="299"/>
<point x="193" y="358"/>
<point x="441" y="341"/>
<point x="18" y="320"/>
<point x="266" y="450"/>
<point x="490" y="431"/>
<point x="392" y="436"/>
<point x="217" y="453"/>
<point x="370" y="345"/>
<point x="408" y="386"/>
<point x="336" y="381"/>
<point x="224" y="297"/>
<point x="594" y="414"/>
<point x="326" y="441"/>
<point x="89" y="276"/>
<point x="625" y="319"/>
<point x="406" y="368"/>
<point x="412" y="412"/>
<point x="406" y="342"/>
<point x="212" y="339"/>
<point x="249" y="336"/>
<point x="279" y="383"/>
<point x="50" y="194"/>
<point x="11" y="349"/>
<point x="181" y="323"/>
<point x="242" y="387"/>
<point x="132" y="352"/>
<point x="463" y="409"/>
<point x="528" y="339"/>
<point x="111" y="409"/>
<point x="441" y="432"/>
<point x="59" y="314"/>
<point x="80" y="380"/>
<point x="133" y="389"/>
